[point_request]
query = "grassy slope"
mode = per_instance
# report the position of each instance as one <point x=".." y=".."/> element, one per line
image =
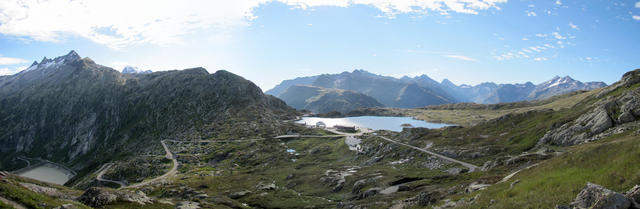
<point x="471" y="116"/>
<point x="613" y="163"/>
<point x="13" y="191"/>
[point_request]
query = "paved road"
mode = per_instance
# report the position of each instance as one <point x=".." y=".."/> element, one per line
<point x="103" y="170"/>
<point x="468" y="165"/>
<point x="171" y="172"/>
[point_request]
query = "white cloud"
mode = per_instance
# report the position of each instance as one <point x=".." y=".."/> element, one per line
<point x="11" y="61"/>
<point x="119" y="23"/>
<point x="558" y="36"/>
<point x="638" y="4"/>
<point x="575" y="27"/>
<point x="540" y="59"/>
<point x="531" y="14"/>
<point x="7" y="71"/>
<point x="636" y="17"/>
<point x="558" y="2"/>
<point x="462" y="57"/>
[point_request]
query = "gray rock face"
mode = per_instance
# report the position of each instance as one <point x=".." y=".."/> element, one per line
<point x="594" y="196"/>
<point x="615" y="109"/>
<point x="634" y="196"/>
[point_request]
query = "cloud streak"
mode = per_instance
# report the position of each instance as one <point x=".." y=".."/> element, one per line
<point x="11" y="61"/>
<point x="462" y="57"/>
<point x="120" y="23"/>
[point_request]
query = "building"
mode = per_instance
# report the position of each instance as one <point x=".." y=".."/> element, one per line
<point x="350" y="129"/>
<point x="321" y="124"/>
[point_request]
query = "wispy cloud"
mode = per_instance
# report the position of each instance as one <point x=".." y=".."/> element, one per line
<point x="462" y="57"/>
<point x="11" y="61"/>
<point x="573" y="26"/>
<point x="8" y="71"/>
<point x="120" y="23"/>
<point x="636" y="17"/>
<point x="530" y="13"/>
<point x="638" y="4"/>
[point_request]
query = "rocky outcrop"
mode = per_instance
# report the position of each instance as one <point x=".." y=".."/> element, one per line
<point x="618" y="105"/>
<point x="594" y="196"/>
<point x="99" y="197"/>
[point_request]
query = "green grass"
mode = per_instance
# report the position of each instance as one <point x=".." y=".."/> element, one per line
<point x="612" y="163"/>
<point x="5" y="206"/>
<point x="13" y="191"/>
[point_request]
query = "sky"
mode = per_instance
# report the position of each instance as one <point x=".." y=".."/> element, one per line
<point x="267" y="41"/>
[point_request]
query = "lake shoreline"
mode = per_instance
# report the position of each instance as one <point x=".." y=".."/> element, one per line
<point x="47" y="165"/>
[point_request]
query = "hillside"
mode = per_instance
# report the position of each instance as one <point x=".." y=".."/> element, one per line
<point x="323" y="100"/>
<point x="75" y="112"/>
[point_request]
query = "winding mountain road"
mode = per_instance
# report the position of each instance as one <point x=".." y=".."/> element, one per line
<point x="171" y="172"/>
<point x="103" y="170"/>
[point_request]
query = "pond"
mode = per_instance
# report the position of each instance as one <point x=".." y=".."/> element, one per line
<point x="372" y="122"/>
<point x="48" y="172"/>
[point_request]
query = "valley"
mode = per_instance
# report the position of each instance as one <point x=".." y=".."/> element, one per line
<point x="214" y="149"/>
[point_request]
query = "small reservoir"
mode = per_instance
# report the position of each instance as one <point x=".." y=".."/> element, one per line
<point x="373" y="122"/>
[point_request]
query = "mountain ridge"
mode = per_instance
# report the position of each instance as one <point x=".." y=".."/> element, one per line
<point x="69" y="109"/>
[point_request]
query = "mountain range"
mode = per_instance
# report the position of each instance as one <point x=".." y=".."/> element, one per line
<point x="72" y="110"/>
<point x="419" y="91"/>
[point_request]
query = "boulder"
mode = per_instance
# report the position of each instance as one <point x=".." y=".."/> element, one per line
<point x="626" y="117"/>
<point x="594" y="196"/>
<point x="370" y="193"/>
<point x="634" y="196"/>
<point x="187" y="205"/>
<point x="67" y="206"/>
<point x="240" y="194"/>
<point x="266" y="186"/>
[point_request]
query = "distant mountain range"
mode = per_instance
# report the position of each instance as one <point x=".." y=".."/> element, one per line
<point x="419" y="91"/>
<point x="322" y="100"/>
<point x="389" y="91"/>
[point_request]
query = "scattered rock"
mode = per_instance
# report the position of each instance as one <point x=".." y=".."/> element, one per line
<point x="240" y="194"/>
<point x="202" y="196"/>
<point x="53" y="192"/>
<point x="98" y="197"/>
<point x="594" y="196"/>
<point x="634" y="196"/>
<point x="266" y="186"/>
<point x="187" y="205"/>
<point x="426" y="198"/>
<point x="290" y="176"/>
<point x="513" y="184"/>
<point x="370" y="193"/>
<point x="67" y="206"/>
<point x="455" y="171"/>
<point x="476" y="186"/>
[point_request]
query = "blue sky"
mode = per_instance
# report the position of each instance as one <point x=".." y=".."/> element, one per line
<point x="266" y="41"/>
